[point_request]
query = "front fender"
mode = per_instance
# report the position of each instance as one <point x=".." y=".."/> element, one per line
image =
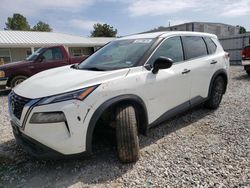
<point x="136" y="100"/>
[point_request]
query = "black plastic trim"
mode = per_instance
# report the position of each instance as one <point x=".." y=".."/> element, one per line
<point x="28" y="113"/>
<point x="171" y="113"/>
<point x="206" y="45"/>
<point x="97" y="114"/>
<point x="183" y="51"/>
<point x="178" y="109"/>
<point x="197" y="101"/>
<point x="217" y="73"/>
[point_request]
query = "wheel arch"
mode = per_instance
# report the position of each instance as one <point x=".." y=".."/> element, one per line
<point x="223" y="74"/>
<point x="134" y="100"/>
<point x="10" y="78"/>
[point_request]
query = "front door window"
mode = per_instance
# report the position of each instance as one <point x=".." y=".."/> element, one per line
<point x="52" y="54"/>
<point x="171" y="48"/>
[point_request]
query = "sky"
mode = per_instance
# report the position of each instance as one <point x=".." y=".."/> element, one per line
<point x="127" y="16"/>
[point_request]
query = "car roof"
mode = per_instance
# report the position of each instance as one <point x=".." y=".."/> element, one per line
<point x="167" y="34"/>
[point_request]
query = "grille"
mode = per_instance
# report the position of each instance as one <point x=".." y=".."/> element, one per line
<point x="17" y="103"/>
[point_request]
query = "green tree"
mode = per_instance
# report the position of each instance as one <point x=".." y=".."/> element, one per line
<point x="42" y="26"/>
<point x="103" y="30"/>
<point x="242" y="30"/>
<point x="17" y="22"/>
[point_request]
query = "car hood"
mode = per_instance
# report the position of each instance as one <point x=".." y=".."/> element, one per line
<point x="63" y="79"/>
<point x="13" y="65"/>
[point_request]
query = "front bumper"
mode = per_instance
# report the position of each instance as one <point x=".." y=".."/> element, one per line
<point x="32" y="146"/>
<point x="37" y="149"/>
<point x="63" y="138"/>
<point x="245" y="62"/>
<point x="3" y="83"/>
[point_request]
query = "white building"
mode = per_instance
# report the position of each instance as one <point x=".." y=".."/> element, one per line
<point x="17" y="45"/>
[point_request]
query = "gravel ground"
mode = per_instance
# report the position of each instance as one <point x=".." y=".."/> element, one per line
<point x="200" y="148"/>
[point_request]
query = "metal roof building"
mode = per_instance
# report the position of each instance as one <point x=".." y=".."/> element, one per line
<point x="17" y="45"/>
<point x="219" y="29"/>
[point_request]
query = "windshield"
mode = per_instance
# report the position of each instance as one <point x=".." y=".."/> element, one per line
<point x="33" y="56"/>
<point x="117" y="54"/>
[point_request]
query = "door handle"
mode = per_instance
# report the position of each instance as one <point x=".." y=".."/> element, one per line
<point x="185" y="71"/>
<point x="213" y="62"/>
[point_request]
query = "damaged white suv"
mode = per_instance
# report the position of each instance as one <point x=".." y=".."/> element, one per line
<point x="129" y="85"/>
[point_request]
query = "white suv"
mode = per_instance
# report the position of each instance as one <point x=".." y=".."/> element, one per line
<point x="129" y="85"/>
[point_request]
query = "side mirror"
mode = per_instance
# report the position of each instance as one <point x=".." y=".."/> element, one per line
<point x="161" y="63"/>
<point x="41" y="58"/>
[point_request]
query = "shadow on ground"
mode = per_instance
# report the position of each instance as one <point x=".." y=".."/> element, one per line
<point x="242" y="77"/>
<point x="102" y="166"/>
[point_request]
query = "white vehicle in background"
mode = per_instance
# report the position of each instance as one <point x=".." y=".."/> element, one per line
<point x="246" y="58"/>
<point x="128" y="86"/>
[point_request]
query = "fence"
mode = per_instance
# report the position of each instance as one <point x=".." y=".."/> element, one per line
<point x="233" y="45"/>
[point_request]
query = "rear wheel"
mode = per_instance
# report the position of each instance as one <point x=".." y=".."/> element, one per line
<point x="216" y="93"/>
<point x="126" y="134"/>
<point x="17" y="80"/>
<point x="248" y="72"/>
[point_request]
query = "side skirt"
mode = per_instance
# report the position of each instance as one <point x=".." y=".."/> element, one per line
<point x="177" y="110"/>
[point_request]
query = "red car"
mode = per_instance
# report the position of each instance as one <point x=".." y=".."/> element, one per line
<point x="246" y="59"/>
<point x="45" y="58"/>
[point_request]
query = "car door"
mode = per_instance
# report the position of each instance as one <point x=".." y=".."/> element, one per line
<point x="167" y="91"/>
<point x="50" y="58"/>
<point x="200" y="65"/>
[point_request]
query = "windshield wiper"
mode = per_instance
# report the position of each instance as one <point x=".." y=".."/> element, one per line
<point x="93" y="68"/>
<point x="75" y="66"/>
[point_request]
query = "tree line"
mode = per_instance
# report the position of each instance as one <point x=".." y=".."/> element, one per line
<point x="19" y="22"/>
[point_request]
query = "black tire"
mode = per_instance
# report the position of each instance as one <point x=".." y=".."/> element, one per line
<point x="216" y="95"/>
<point x="126" y="134"/>
<point x="17" y="80"/>
<point x="248" y="72"/>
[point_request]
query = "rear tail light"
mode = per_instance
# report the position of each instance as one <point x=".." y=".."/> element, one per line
<point x="243" y="53"/>
<point x="246" y="53"/>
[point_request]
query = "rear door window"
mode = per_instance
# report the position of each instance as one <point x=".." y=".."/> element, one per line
<point x="171" y="48"/>
<point x="211" y="46"/>
<point x="194" y="47"/>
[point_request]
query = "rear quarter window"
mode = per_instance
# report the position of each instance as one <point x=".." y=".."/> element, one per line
<point x="194" y="47"/>
<point x="211" y="46"/>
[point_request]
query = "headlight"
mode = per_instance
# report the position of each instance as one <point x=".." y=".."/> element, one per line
<point x="78" y="95"/>
<point x="47" y="117"/>
<point x="2" y="74"/>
